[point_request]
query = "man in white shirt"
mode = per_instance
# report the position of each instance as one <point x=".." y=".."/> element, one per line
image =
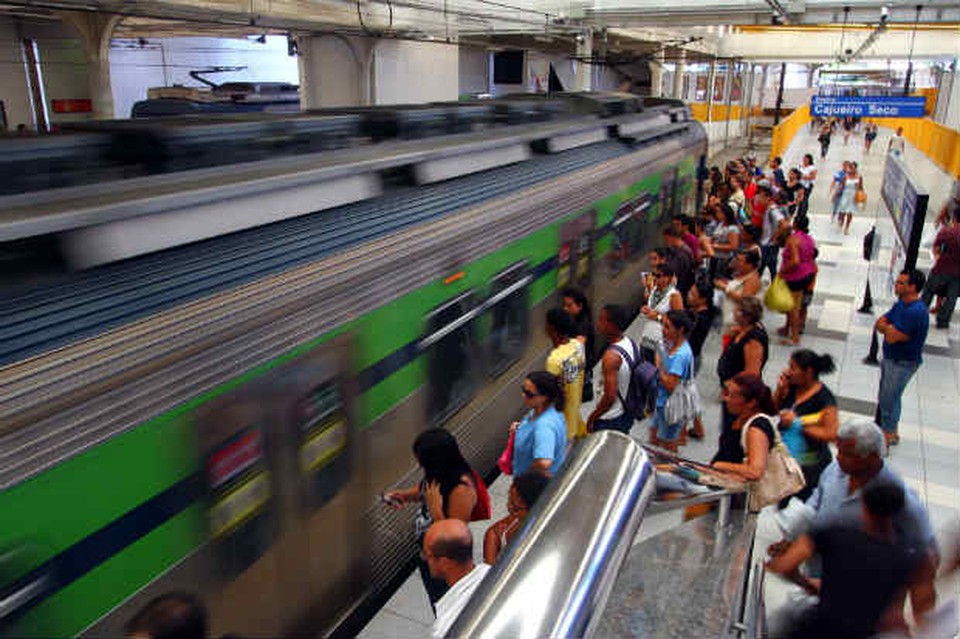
<point x="448" y="551"/>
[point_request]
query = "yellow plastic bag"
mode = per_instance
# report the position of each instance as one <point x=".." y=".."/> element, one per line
<point x="778" y="296"/>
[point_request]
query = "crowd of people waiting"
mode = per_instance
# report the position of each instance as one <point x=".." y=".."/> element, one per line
<point x="709" y="273"/>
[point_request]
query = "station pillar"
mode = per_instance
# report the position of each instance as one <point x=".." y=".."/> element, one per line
<point x="334" y="70"/>
<point x="96" y="31"/>
<point x="656" y="73"/>
<point x="679" y="70"/>
<point x="584" y="75"/>
<point x="711" y="80"/>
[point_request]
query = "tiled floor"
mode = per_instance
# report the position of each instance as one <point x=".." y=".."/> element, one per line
<point x="929" y="455"/>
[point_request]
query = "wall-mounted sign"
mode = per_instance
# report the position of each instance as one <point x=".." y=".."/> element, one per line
<point x="73" y="106"/>
<point x="880" y="106"/>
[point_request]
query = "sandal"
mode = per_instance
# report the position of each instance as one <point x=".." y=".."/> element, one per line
<point x="789" y="342"/>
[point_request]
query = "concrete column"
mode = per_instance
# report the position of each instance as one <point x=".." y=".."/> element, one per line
<point x="584" y="77"/>
<point x="728" y="95"/>
<point x="656" y="73"/>
<point x="96" y="31"/>
<point x="678" y="75"/>
<point x="711" y="78"/>
<point x="947" y="111"/>
<point x="763" y="84"/>
<point x="334" y="71"/>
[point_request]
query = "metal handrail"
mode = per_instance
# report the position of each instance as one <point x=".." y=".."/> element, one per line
<point x="556" y="576"/>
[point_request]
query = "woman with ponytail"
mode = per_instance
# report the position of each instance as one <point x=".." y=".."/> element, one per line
<point x="800" y="395"/>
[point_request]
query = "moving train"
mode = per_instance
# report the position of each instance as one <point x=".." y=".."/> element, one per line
<point x="220" y="412"/>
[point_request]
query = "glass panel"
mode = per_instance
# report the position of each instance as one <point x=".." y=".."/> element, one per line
<point x="450" y="357"/>
<point x="508" y="320"/>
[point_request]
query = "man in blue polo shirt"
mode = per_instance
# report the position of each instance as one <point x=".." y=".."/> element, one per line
<point x="904" y="329"/>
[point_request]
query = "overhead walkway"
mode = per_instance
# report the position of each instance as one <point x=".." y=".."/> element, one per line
<point x="928" y="457"/>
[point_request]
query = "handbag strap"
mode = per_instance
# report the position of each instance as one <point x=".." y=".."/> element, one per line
<point x="746" y="428"/>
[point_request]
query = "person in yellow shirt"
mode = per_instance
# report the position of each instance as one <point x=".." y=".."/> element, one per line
<point x="568" y="362"/>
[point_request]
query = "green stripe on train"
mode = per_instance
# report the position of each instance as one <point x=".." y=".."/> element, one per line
<point x="84" y="493"/>
<point x="84" y="601"/>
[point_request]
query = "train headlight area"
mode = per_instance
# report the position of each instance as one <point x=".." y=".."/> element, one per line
<point x="220" y="411"/>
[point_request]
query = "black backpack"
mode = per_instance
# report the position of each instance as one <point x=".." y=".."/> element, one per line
<point x="643" y="382"/>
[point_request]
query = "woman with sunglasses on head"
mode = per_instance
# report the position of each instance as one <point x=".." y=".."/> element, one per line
<point x="540" y="440"/>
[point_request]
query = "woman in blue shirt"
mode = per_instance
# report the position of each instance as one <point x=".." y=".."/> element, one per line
<point x="675" y="364"/>
<point x="540" y="442"/>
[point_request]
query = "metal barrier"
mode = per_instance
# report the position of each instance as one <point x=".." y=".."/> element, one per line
<point x="556" y="576"/>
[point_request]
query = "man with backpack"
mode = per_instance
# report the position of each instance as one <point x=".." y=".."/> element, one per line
<point x="623" y="398"/>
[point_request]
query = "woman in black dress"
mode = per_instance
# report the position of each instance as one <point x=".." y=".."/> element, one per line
<point x="746" y="349"/>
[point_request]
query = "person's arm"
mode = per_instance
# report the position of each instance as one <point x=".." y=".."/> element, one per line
<point x="610" y="366"/>
<point x="676" y="301"/>
<point x="403" y="496"/>
<point x="891" y="334"/>
<point x="922" y="589"/>
<point x="825" y="428"/>
<point x="753" y="357"/>
<point x="758" y="446"/>
<point x="793" y="254"/>
<point x="544" y="445"/>
<point x="491" y="543"/>
<point x="787" y="564"/>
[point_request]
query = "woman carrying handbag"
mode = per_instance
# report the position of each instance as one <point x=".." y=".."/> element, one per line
<point x="767" y="468"/>
<point x="677" y="399"/>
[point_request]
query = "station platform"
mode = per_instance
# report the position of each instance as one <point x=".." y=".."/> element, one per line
<point x="928" y="456"/>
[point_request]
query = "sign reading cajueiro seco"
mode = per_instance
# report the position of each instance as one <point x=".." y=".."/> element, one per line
<point x="880" y="106"/>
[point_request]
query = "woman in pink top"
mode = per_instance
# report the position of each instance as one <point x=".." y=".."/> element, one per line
<point x="798" y="269"/>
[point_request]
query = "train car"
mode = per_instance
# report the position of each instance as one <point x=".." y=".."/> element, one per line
<point x="221" y="416"/>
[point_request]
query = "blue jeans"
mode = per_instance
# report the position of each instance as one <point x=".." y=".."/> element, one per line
<point x="623" y="424"/>
<point x="894" y="377"/>
<point x="768" y="259"/>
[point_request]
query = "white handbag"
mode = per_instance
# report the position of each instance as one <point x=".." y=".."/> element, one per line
<point x="782" y="477"/>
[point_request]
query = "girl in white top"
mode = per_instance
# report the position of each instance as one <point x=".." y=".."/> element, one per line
<point x="850" y="184"/>
<point x="664" y="297"/>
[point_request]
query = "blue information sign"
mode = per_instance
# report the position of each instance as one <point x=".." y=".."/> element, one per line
<point x="879" y="106"/>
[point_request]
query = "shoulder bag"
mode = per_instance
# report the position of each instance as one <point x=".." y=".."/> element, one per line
<point x="782" y="477"/>
<point x="683" y="405"/>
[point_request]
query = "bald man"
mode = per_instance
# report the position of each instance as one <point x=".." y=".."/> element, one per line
<point x="448" y="551"/>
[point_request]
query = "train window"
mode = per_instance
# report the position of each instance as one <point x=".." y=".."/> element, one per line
<point x="668" y="200"/>
<point x="450" y="347"/>
<point x="628" y="225"/>
<point x="575" y="258"/>
<point x="507" y="310"/>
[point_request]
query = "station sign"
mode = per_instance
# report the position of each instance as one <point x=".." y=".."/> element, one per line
<point x="879" y="106"/>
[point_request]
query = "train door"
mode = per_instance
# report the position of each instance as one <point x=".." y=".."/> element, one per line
<point x="451" y="352"/>
<point x="286" y="537"/>
<point x="575" y="255"/>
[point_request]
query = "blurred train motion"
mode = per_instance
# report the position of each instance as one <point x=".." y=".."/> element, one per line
<point x="257" y="316"/>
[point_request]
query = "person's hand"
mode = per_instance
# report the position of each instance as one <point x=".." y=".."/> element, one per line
<point x="393" y="499"/>
<point x="787" y="416"/>
<point x="778" y="548"/>
<point x="720" y="283"/>
<point x="648" y="312"/>
<point x="513" y="428"/>
<point x="432" y="497"/>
